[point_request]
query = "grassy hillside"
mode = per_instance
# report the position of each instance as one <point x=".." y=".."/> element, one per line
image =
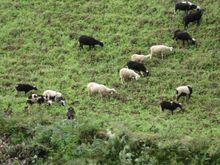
<point x="38" y="45"/>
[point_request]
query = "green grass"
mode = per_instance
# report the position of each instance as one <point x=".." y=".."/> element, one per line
<point x="38" y="45"/>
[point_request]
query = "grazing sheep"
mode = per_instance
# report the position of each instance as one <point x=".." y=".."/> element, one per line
<point x="138" y="67"/>
<point x="139" y="58"/>
<point x="160" y="49"/>
<point x="25" y="88"/>
<point x="86" y="40"/>
<point x="54" y="96"/>
<point x="184" y="36"/>
<point x="99" y="88"/>
<point x="193" y="17"/>
<point x="185" y="6"/>
<point x="128" y="74"/>
<point x="183" y="91"/>
<point x="170" y="105"/>
<point x="70" y="113"/>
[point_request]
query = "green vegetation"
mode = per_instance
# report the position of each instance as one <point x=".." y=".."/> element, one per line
<point x="38" y="45"/>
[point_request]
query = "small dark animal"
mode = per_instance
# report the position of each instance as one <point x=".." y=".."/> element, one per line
<point x="185" y="6"/>
<point x="90" y="41"/>
<point x="35" y="98"/>
<point x="170" y="105"/>
<point x="184" y="36"/>
<point x="193" y="17"/>
<point x="25" y="88"/>
<point x="138" y="67"/>
<point x="70" y="113"/>
<point x="183" y="91"/>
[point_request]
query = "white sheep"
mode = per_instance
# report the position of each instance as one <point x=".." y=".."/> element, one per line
<point x="128" y="74"/>
<point x="160" y="49"/>
<point x="139" y="57"/>
<point x="54" y="96"/>
<point x="99" y="88"/>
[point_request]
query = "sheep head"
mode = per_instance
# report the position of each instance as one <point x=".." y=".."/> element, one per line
<point x="137" y="77"/>
<point x="112" y="91"/>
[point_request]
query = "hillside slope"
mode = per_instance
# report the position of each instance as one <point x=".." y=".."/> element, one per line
<point x="38" y="45"/>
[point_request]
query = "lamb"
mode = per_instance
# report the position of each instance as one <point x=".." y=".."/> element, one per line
<point x="184" y="36"/>
<point x="86" y="40"/>
<point x="170" y="105"/>
<point x="51" y="95"/>
<point x="138" y="67"/>
<point x="139" y="58"/>
<point x="128" y="74"/>
<point x="183" y="91"/>
<point x="185" y="6"/>
<point x="99" y="88"/>
<point x="160" y="49"/>
<point x="25" y="88"/>
<point x="35" y="98"/>
<point x="193" y="17"/>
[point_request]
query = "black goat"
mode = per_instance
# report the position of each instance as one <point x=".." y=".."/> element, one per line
<point x="185" y="6"/>
<point x="184" y="36"/>
<point x="86" y="40"/>
<point x="170" y="105"/>
<point x="193" y="17"/>
<point x="138" y="67"/>
<point x="25" y="88"/>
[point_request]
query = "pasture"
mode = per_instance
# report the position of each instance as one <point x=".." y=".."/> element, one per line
<point x="39" y="45"/>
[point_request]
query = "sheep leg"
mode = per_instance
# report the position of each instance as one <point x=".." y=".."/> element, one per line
<point x="198" y="22"/>
<point x="122" y="80"/>
<point x="162" y="55"/>
<point x="189" y="96"/>
<point x="172" y="112"/>
<point x="81" y="46"/>
<point x="89" y="93"/>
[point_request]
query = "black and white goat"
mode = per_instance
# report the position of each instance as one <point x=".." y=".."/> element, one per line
<point x="184" y="91"/>
<point x="90" y="41"/>
<point x="170" y="105"/>
<point x="35" y="98"/>
<point x="183" y="36"/>
<point x="185" y="6"/>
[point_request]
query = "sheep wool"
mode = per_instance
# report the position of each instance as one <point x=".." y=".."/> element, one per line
<point x="139" y="57"/>
<point x="128" y="74"/>
<point x="99" y="88"/>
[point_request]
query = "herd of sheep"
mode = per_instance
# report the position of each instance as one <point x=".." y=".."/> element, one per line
<point x="134" y="69"/>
